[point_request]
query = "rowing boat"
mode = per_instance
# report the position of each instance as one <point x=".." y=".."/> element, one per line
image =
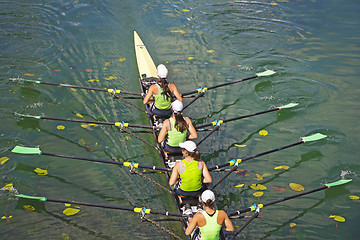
<point x="147" y="77"/>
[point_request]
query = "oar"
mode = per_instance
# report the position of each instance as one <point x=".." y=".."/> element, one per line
<point x="311" y="138"/>
<point x="326" y="186"/>
<point x="136" y="209"/>
<point x="110" y="90"/>
<point x="117" y="124"/>
<point x="247" y="223"/>
<point x="262" y="74"/>
<point x="37" y="151"/>
<point x="214" y="123"/>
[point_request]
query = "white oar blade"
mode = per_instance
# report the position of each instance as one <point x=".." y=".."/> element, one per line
<point x="314" y="137"/>
<point x="266" y="73"/>
<point x="290" y="105"/>
<point x="26" y="150"/>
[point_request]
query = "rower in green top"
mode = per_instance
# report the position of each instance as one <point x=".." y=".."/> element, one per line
<point x="161" y="93"/>
<point x="177" y="128"/>
<point x="190" y="173"/>
<point x="210" y="221"/>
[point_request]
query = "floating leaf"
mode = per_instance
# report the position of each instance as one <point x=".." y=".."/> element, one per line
<point x="258" y="186"/>
<point x="107" y="63"/>
<point x="29" y="208"/>
<point x="258" y="177"/>
<point x="81" y="142"/>
<point x="89" y="149"/>
<point x="190" y="58"/>
<point x="178" y="31"/>
<point x="79" y="115"/>
<point x="127" y="138"/>
<point x="186" y="10"/>
<point x="65" y="236"/>
<point x="29" y="74"/>
<point x="263" y="133"/>
<point x="3" y="160"/>
<point x="278" y="189"/>
<point x="296" y="187"/>
<point x="60" y="127"/>
<point x="73" y="89"/>
<point x="282" y="167"/>
<point x="274" y="3"/>
<point x="266" y="174"/>
<point x="77" y="206"/>
<point x="122" y="59"/>
<point x="89" y="70"/>
<point x="111" y="78"/>
<point x="210" y="51"/>
<point x="337" y="218"/>
<point x="9" y="187"/>
<point x="70" y="211"/>
<point x="258" y="194"/>
<point x="40" y="171"/>
<point x="57" y="70"/>
<point x="292" y="225"/>
<point x="240" y="185"/>
<point x="239" y="65"/>
<point x="67" y="204"/>
<point x="354" y="197"/>
<point x="6" y="217"/>
<point x="93" y="124"/>
<point x="93" y="80"/>
<point x="238" y="145"/>
<point x="84" y="125"/>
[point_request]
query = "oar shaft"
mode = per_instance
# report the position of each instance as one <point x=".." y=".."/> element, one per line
<point x="105" y="161"/>
<point x="208" y="135"/>
<point x="196" y="98"/>
<point x="237" y="118"/>
<point x="245" y="224"/>
<point x="225" y="176"/>
<point x="88" y="88"/>
<point x="278" y="200"/>
<point x="257" y="155"/>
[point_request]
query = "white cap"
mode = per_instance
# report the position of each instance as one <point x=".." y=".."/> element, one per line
<point x="177" y="106"/>
<point x="189" y="146"/>
<point x="162" y="71"/>
<point x="207" y="195"/>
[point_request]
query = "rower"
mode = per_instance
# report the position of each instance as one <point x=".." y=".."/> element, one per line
<point x="189" y="173"/>
<point x="161" y="93"/>
<point x="176" y="128"/>
<point x="210" y="220"/>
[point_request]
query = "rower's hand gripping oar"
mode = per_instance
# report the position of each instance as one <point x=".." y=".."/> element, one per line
<point x="217" y="123"/>
<point x="117" y="124"/>
<point x="37" y="151"/>
<point x="234" y="162"/>
<point x="200" y="90"/>
<point x="110" y="90"/>
<point x="142" y="210"/>
<point x="326" y="186"/>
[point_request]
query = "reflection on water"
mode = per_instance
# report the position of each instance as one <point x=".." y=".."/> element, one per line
<point x="312" y="45"/>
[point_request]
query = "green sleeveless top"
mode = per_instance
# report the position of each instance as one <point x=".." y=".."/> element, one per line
<point x="211" y="230"/>
<point x="190" y="178"/>
<point x="174" y="136"/>
<point x="161" y="102"/>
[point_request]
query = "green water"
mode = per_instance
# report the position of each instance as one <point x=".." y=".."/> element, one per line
<point x="313" y="46"/>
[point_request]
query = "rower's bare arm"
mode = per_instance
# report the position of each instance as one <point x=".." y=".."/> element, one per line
<point x="175" y="174"/>
<point x="192" y="130"/>
<point x="192" y="225"/>
<point x="174" y="90"/>
<point x="227" y="225"/>
<point x="148" y="95"/>
<point x="206" y="174"/>
<point x="163" y="131"/>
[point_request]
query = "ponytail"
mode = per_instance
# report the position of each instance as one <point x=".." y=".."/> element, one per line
<point x="180" y="123"/>
<point x="209" y="203"/>
<point x="195" y="155"/>
<point x="165" y="86"/>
